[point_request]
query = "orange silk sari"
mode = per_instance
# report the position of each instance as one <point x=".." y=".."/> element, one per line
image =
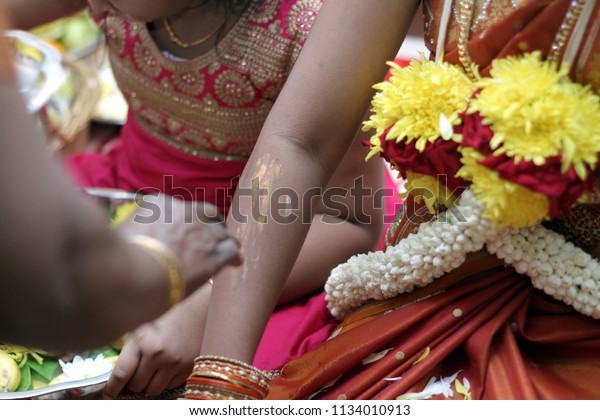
<point x="481" y="331"/>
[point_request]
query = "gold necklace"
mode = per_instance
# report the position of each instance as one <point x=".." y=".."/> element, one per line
<point x="466" y="15"/>
<point x="177" y="41"/>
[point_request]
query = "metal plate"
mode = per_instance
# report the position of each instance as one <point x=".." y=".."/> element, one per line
<point x="89" y="388"/>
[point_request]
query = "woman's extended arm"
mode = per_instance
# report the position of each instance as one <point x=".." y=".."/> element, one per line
<point x="327" y="94"/>
<point x="348" y="220"/>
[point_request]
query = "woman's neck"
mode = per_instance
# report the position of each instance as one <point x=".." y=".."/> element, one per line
<point x="196" y="31"/>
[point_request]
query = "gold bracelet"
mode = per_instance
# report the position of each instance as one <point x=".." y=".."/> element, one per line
<point x="165" y="257"/>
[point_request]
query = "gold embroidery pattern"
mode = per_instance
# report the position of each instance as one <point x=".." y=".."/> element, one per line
<point x="485" y="14"/>
<point x="428" y="23"/>
<point x="213" y="106"/>
<point x="301" y="18"/>
<point x="191" y="83"/>
<point x="205" y="129"/>
<point x="493" y="12"/>
<point x="115" y="34"/>
<point x="261" y="54"/>
<point x="135" y="28"/>
<point x="266" y="11"/>
<point x="233" y="89"/>
<point x="145" y="60"/>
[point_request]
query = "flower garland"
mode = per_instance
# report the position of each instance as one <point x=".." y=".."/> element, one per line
<point x="526" y="139"/>
<point x="506" y="151"/>
<point x="438" y="247"/>
<point x="554" y="265"/>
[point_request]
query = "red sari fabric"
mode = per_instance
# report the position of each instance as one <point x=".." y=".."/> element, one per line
<point x="140" y="162"/>
<point x="483" y="321"/>
<point x="482" y="324"/>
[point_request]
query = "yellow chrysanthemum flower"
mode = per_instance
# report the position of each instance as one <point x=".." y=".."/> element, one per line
<point x="506" y="204"/>
<point x="428" y="188"/>
<point x="536" y="112"/>
<point x="418" y="102"/>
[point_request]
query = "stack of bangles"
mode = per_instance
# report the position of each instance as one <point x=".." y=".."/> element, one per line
<point x="220" y="378"/>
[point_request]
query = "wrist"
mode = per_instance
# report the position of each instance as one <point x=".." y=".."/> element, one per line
<point x="221" y="378"/>
<point x="168" y="262"/>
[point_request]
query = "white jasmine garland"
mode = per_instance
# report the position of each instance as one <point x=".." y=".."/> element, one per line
<point x="555" y="266"/>
<point x="437" y="248"/>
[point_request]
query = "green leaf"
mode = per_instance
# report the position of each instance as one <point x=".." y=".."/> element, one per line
<point x="109" y="352"/>
<point x="38" y="377"/>
<point x="106" y="351"/>
<point x="47" y="369"/>
<point x="25" y="384"/>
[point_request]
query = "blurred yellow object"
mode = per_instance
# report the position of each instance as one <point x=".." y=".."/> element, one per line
<point x="56" y="45"/>
<point x="77" y="35"/>
<point x="122" y="213"/>
<point x="119" y="342"/>
<point x="10" y="375"/>
<point x="35" y="384"/>
<point x="112" y="359"/>
<point x="52" y="30"/>
<point x="28" y="51"/>
<point x="38" y="68"/>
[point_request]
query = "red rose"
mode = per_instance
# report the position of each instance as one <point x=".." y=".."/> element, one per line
<point x="476" y="134"/>
<point x="440" y="159"/>
<point x="562" y="189"/>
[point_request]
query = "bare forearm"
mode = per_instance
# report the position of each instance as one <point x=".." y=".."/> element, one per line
<point x="269" y="248"/>
<point x="328" y="91"/>
<point x="330" y="242"/>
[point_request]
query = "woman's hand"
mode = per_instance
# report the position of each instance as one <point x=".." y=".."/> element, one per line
<point x="160" y="355"/>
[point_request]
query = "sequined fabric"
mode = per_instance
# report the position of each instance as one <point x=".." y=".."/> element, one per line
<point x="506" y="27"/>
<point x="215" y="105"/>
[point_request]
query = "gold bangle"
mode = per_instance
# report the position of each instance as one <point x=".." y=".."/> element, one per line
<point x="165" y="257"/>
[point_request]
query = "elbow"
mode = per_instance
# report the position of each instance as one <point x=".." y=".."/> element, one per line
<point x="316" y="150"/>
